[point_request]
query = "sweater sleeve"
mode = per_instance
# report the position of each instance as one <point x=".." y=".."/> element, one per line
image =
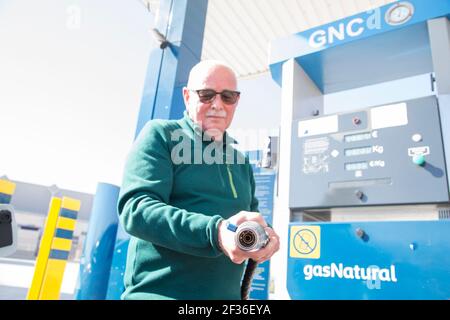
<point x="143" y="201"/>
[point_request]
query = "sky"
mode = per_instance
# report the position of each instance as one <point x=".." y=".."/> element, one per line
<point x="71" y="78"/>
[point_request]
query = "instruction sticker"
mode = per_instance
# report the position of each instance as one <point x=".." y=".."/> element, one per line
<point x="393" y="115"/>
<point x="419" y="151"/>
<point x="314" y="127"/>
<point x="305" y="242"/>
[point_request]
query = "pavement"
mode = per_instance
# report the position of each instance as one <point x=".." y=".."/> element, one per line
<point x="16" y="276"/>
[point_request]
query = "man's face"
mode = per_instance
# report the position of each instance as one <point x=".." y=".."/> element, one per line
<point x="214" y="117"/>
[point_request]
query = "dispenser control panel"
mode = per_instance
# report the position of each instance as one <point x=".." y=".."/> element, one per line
<point x="390" y="154"/>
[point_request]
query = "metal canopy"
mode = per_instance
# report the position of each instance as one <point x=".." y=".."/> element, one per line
<point x="239" y="31"/>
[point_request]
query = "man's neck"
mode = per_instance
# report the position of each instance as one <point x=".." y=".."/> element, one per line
<point x="214" y="134"/>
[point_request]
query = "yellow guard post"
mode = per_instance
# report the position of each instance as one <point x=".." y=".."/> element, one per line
<point x="54" y="250"/>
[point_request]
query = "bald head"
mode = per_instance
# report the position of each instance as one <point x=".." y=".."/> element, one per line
<point x="214" y="116"/>
<point x="202" y="70"/>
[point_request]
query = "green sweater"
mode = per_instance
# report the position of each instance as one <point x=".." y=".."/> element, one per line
<point x="172" y="210"/>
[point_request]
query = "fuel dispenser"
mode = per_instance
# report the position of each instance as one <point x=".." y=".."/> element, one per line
<point x="363" y="188"/>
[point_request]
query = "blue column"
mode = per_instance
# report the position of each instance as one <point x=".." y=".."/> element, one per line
<point x="182" y="22"/>
<point x="116" y="285"/>
<point x="99" y="245"/>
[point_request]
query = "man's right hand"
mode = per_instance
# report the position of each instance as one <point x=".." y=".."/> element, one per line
<point x="228" y="244"/>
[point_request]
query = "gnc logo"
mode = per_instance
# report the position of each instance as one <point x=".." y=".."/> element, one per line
<point x="352" y="28"/>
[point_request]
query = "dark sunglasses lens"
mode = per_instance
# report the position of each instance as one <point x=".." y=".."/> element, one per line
<point x="229" y="97"/>
<point x="206" y="95"/>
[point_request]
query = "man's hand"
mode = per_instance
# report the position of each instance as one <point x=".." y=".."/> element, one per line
<point x="229" y="247"/>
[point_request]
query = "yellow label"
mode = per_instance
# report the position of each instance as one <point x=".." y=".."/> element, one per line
<point x="66" y="223"/>
<point x="305" y="242"/>
<point x="61" y="244"/>
<point x="71" y="204"/>
<point x="7" y="187"/>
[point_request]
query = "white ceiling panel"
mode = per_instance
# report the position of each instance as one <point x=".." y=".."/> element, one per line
<point x="239" y="31"/>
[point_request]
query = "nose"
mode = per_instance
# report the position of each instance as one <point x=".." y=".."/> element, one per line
<point x="217" y="102"/>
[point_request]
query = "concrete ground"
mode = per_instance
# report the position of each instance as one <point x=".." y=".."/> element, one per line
<point x="16" y="276"/>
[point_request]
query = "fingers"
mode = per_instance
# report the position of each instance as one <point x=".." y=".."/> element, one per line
<point x="237" y="260"/>
<point x="274" y="241"/>
<point x="270" y="249"/>
<point x="236" y="255"/>
<point x="243" y="216"/>
<point x="226" y="242"/>
<point x="264" y="259"/>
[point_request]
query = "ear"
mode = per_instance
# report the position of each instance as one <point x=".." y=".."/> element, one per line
<point x="186" y="93"/>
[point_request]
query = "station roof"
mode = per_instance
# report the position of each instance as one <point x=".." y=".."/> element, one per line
<point x="242" y="36"/>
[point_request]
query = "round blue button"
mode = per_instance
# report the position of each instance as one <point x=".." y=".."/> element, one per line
<point x="419" y="159"/>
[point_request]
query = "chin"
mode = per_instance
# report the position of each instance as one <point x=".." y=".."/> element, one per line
<point x="214" y="132"/>
<point x="216" y="127"/>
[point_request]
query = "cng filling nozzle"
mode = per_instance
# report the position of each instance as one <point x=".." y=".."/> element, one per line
<point x="250" y="235"/>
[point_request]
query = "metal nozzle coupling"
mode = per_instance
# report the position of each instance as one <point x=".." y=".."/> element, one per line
<point x="251" y="236"/>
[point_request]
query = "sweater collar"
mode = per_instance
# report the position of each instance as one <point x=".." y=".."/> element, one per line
<point x="187" y="123"/>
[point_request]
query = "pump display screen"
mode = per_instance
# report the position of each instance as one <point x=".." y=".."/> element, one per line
<point x="362" y="165"/>
<point x="357" y="151"/>
<point x="358" y="137"/>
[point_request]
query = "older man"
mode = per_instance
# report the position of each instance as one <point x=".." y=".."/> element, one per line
<point x="175" y="206"/>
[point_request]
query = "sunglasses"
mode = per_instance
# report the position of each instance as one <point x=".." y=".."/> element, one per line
<point x="208" y="95"/>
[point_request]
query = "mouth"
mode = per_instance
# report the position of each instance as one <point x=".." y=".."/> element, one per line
<point x="215" y="117"/>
